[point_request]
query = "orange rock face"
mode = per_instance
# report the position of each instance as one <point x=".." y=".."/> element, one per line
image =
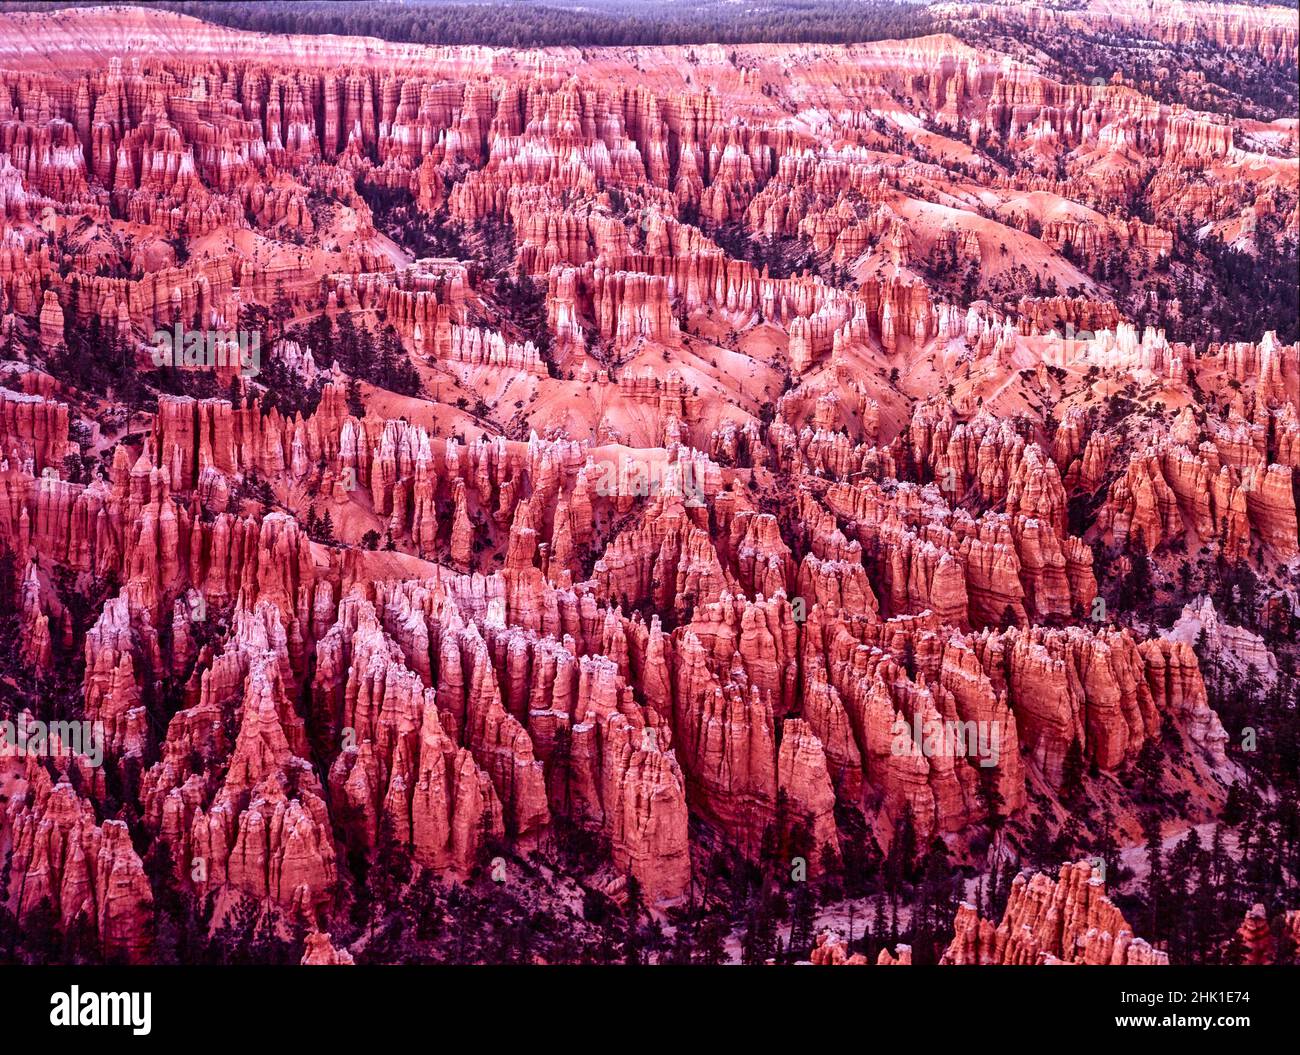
<point x="1068" y="920"/>
<point x="87" y="874"/>
<point x="652" y="463"/>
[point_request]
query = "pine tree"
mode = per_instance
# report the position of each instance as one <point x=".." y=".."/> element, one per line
<point x="1038" y="847"/>
<point x="902" y="852"/>
<point x="1072" y="772"/>
<point x="1205" y="919"/>
<point x="1150" y="767"/>
<point x="1107" y="848"/>
<point x="802" y="923"/>
<point x="1155" y="886"/>
<point x="281" y="309"/>
<point x="992" y="805"/>
<point x="1234" y="807"/>
<point x="877" y="927"/>
<point x="633" y="950"/>
<point x="346" y="346"/>
<point x="711" y="948"/>
<point x="1180" y="874"/>
<point x="356" y="405"/>
<point x="759" y="944"/>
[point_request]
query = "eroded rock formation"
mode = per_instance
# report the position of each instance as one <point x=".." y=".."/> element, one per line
<point x="654" y="451"/>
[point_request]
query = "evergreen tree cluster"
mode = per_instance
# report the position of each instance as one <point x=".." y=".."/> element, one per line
<point x="1198" y="890"/>
<point x="552" y="23"/>
<point x="377" y="358"/>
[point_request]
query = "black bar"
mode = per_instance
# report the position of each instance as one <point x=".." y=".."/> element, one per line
<point x="849" y="1004"/>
